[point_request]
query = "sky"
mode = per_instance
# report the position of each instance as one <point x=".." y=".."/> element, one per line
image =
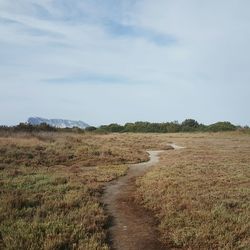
<point x="118" y="61"/>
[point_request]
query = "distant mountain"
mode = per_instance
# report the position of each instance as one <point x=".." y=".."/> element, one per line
<point x="58" y="123"/>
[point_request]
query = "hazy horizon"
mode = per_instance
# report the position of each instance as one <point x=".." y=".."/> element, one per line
<point x="123" y="61"/>
<point x="123" y="123"/>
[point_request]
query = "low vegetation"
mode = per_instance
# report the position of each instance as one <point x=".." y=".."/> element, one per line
<point x="56" y="208"/>
<point x="201" y="195"/>
<point x="51" y="185"/>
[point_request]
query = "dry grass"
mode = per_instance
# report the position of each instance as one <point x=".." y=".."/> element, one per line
<point x="48" y="149"/>
<point x="51" y="185"/>
<point x="201" y="195"/>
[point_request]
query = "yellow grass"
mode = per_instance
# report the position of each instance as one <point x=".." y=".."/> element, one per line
<point x="51" y="186"/>
<point x="201" y="195"/>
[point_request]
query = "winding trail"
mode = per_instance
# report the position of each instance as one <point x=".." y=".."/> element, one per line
<point x="133" y="228"/>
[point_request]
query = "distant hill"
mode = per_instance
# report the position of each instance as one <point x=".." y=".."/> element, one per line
<point x="58" y="123"/>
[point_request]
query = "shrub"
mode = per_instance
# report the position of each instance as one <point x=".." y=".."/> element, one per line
<point x="221" y="126"/>
<point x="90" y="129"/>
<point x="189" y="125"/>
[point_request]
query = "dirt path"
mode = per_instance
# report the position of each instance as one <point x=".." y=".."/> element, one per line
<point x="132" y="227"/>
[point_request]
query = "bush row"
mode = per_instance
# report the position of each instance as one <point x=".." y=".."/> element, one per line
<point x="189" y="125"/>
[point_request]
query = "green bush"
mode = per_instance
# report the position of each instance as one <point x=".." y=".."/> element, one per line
<point x="189" y="125"/>
<point x="90" y="129"/>
<point x="221" y="126"/>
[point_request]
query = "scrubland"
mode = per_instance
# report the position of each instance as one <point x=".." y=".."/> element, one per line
<point x="200" y="195"/>
<point x="51" y="185"/>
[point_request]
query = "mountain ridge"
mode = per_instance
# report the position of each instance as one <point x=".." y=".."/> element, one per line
<point x="58" y="123"/>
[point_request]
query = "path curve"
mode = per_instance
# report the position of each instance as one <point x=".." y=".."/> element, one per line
<point x="132" y="228"/>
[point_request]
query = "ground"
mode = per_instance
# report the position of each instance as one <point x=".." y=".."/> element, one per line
<point x="201" y="195"/>
<point x="52" y="187"/>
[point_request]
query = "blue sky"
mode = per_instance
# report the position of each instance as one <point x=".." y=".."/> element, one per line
<point x="127" y="60"/>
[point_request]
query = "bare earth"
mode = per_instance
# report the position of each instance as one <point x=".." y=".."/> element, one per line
<point x="132" y="227"/>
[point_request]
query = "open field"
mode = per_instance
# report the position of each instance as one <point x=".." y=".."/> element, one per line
<point x="201" y="195"/>
<point x="51" y="184"/>
<point x="51" y="187"/>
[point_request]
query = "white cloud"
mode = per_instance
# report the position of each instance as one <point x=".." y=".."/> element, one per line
<point x="196" y="76"/>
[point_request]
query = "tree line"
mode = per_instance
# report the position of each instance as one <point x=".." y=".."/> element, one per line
<point x="188" y="125"/>
<point x="43" y="127"/>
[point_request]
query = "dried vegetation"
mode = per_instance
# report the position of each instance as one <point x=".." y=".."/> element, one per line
<point x="51" y="186"/>
<point x="201" y="195"/>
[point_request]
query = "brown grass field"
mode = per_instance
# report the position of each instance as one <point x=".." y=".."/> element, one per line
<point x="51" y="185"/>
<point x="201" y="195"/>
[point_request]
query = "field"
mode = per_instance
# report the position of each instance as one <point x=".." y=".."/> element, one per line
<point x="51" y="184"/>
<point x="201" y="194"/>
<point x="51" y="187"/>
